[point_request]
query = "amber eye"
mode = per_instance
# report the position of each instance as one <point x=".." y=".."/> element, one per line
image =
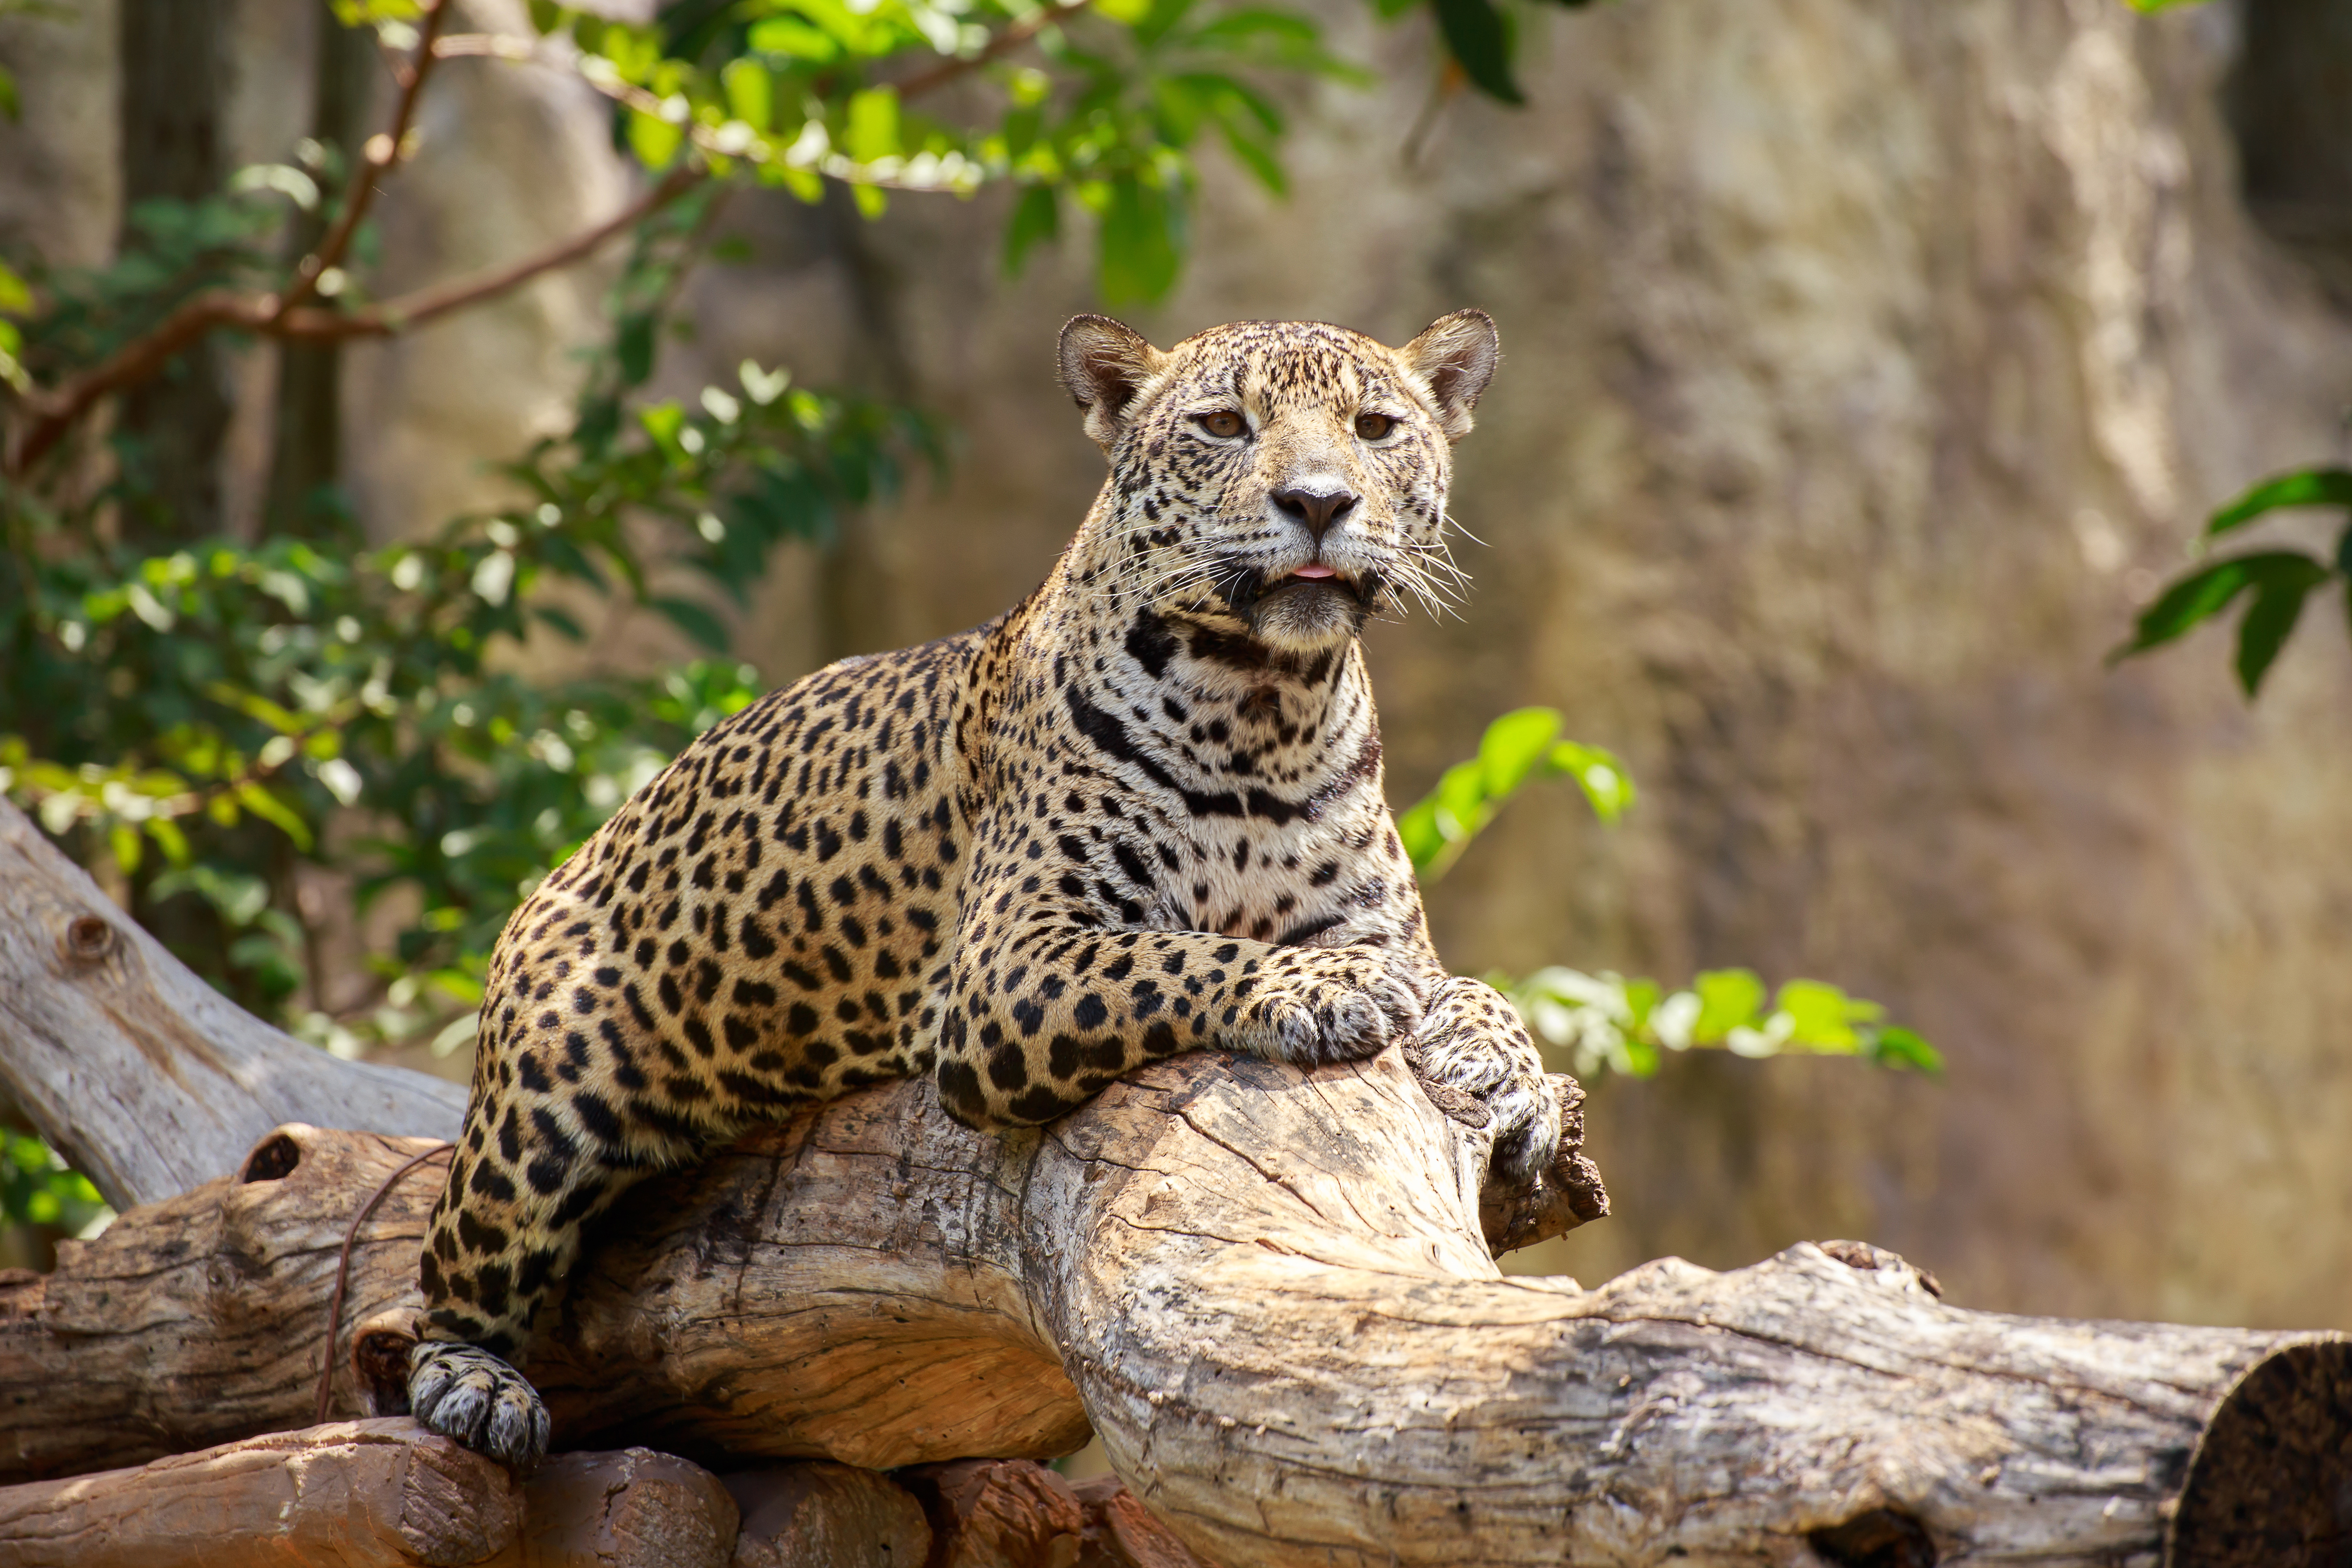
<point x="1224" y="424"/>
<point x="1372" y="426"/>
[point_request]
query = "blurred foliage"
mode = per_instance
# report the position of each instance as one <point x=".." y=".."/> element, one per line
<point x="1520" y="746"/>
<point x="1606" y="1021"/>
<point x="200" y="724"/>
<point x="2279" y="581"/>
<point x="36" y="1188"/>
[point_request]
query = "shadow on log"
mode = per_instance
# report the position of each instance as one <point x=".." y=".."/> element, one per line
<point x="1272" y="1295"/>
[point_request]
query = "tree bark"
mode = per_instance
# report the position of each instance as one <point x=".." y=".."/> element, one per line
<point x="143" y="1076"/>
<point x="172" y="113"/>
<point x="358" y="1494"/>
<point x="1271" y="1293"/>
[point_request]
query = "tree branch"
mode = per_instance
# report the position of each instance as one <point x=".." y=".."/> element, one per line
<point x="1003" y="44"/>
<point x="54" y="412"/>
<point x="382" y="152"/>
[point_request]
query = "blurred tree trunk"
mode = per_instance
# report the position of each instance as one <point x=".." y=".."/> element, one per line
<point x="306" y="454"/>
<point x="857" y="601"/>
<point x="174" y="96"/>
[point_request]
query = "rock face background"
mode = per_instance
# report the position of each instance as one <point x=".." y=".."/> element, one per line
<point x="1865" y="367"/>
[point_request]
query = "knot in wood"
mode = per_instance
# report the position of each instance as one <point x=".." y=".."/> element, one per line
<point x="88" y="940"/>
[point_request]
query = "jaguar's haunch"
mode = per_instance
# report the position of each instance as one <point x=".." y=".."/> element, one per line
<point x="1139" y="813"/>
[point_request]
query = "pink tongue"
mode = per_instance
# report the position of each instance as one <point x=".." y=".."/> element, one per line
<point x="1315" y="569"/>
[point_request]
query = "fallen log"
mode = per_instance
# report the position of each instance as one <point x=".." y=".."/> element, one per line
<point x="1271" y="1293"/>
<point x="357" y="1493"/>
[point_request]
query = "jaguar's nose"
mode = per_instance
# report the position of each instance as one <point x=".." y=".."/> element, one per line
<point x="1317" y="509"/>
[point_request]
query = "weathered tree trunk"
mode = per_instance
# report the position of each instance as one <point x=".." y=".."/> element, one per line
<point x="141" y="1075"/>
<point x="1271" y="1293"/>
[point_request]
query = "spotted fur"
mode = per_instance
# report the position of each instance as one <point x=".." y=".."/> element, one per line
<point x="1139" y="813"/>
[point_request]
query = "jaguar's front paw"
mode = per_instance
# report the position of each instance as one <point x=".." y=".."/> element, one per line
<point x="1341" y="1007"/>
<point x="1472" y="1044"/>
<point x="465" y="1393"/>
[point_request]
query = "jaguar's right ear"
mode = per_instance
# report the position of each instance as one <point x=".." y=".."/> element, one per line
<point x="1103" y="364"/>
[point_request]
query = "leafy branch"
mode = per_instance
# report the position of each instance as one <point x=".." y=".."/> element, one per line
<point x="788" y="95"/>
<point x="1606" y="1021"/>
<point x="2278" y="579"/>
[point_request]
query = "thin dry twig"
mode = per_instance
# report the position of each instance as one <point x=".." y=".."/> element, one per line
<point x="55" y="411"/>
<point x="382" y="152"/>
<point x="1004" y="43"/>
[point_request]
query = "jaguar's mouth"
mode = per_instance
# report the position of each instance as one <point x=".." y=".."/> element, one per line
<point x="1307" y="607"/>
<point x="1314" y="575"/>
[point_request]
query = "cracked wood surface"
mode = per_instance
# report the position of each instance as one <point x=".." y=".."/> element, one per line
<point x="1270" y="1291"/>
<point x="1271" y="1297"/>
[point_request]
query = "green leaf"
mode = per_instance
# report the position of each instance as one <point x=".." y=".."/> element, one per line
<point x="276" y="813"/>
<point x="1036" y="219"/>
<point x="169" y="840"/>
<point x="1513" y="745"/>
<point x="874" y="124"/>
<point x="2198" y="598"/>
<point x="793" y="37"/>
<point x="12" y="108"/>
<point x="15" y="294"/>
<point x="1479" y="37"/>
<point x="2309" y="487"/>
<point x="561" y="620"/>
<point x="1142" y="241"/>
<point x="654" y="140"/>
<point x="1822" y="1017"/>
<point x="1608" y="787"/>
<point x="1898" y="1047"/>
<point x="2279" y="593"/>
<point x="1728" y="998"/>
<point x="123" y="840"/>
<point x="751" y="92"/>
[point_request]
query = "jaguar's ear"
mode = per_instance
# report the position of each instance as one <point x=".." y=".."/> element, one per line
<point x="1455" y="356"/>
<point x="1104" y="363"/>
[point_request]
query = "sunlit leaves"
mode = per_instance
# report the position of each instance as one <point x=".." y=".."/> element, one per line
<point x="1520" y="746"/>
<point x="2278" y="582"/>
<point x="791" y="91"/>
<point x="1605" y="1022"/>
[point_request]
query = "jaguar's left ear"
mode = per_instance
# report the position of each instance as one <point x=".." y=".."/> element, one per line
<point x="1103" y="364"/>
<point x="1455" y="356"/>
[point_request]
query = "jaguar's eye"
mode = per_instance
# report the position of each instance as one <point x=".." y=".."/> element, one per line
<point x="1372" y="426"/>
<point x="1224" y="424"/>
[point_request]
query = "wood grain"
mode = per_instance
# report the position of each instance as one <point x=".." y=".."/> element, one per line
<point x="1270" y="1291"/>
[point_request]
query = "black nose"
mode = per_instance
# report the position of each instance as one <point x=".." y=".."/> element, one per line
<point x="1319" y="509"/>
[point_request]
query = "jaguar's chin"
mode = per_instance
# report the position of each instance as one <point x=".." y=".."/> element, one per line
<point x="1304" y="613"/>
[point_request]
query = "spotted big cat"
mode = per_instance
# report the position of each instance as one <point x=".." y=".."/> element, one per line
<point x="1141" y="813"/>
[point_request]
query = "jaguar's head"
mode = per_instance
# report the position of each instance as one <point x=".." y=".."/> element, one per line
<point x="1290" y="476"/>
